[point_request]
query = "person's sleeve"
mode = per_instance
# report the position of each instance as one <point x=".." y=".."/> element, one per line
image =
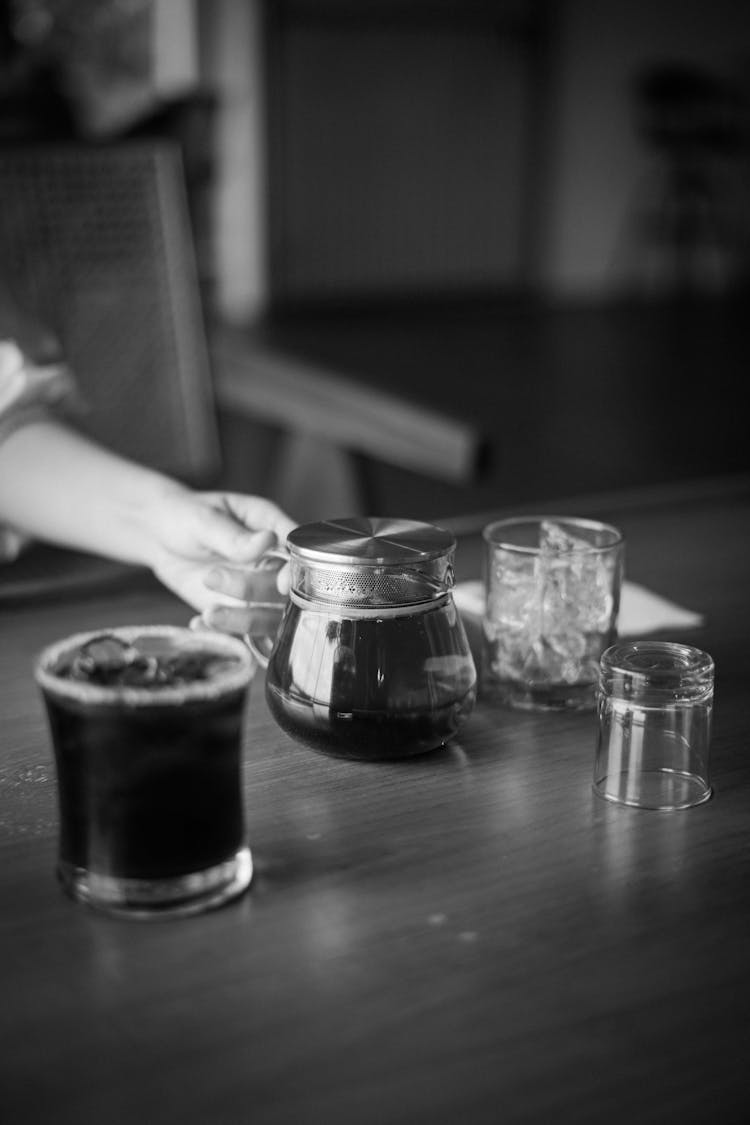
<point x="28" y="391"/>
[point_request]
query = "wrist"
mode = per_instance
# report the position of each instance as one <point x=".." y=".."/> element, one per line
<point x="147" y="511"/>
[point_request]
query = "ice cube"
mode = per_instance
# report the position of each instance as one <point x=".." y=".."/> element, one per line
<point x="108" y="661"/>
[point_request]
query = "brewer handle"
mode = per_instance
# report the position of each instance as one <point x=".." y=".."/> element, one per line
<point x="262" y="644"/>
<point x="274" y="558"/>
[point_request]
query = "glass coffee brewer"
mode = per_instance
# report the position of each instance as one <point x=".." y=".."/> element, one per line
<point x="371" y="660"/>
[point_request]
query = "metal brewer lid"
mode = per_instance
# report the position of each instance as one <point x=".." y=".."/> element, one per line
<point x="371" y="562"/>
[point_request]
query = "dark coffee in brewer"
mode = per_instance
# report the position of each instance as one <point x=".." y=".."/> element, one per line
<point x="373" y="687"/>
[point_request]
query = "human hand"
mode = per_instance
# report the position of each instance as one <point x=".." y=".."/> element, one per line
<point x="248" y="599"/>
<point x="207" y="547"/>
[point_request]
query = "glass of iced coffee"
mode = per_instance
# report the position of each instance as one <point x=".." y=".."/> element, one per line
<point x="146" y="724"/>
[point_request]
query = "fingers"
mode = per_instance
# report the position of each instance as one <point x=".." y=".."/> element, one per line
<point x="249" y="584"/>
<point x="238" y="529"/>
<point x="188" y="581"/>
<point x="258" y="620"/>
<point x="242" y="527"/>
<point x="284" y="580"/>
<point x="208" y="587"/>
<point x="198" y="625"/>
<point x="247" y="600"/>
<point x="226" y="538"/>
<point x="257" y="512"/>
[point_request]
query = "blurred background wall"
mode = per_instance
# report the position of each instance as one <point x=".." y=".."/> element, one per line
<point x="360" y="155"/>
<point x="425" y="145"/>
<point x="360" y="148"/>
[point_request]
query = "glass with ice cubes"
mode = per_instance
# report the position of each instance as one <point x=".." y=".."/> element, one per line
<point x="553" y="596"/>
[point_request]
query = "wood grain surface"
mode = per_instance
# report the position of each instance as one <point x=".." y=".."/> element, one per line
<point x="467" y="937"/>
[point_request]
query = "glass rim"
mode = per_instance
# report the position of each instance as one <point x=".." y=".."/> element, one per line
<point x="92" y="694"/>
<point x="489" y="533"/>
<point x="656" y="666"/>
<point x="700" y="785"/>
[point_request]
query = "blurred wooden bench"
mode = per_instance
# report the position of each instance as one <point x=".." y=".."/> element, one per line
<point x="331" y="419"/>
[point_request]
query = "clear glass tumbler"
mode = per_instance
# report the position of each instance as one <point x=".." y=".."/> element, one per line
<point x="553" y="596"/>
<point x="655" y="704"/>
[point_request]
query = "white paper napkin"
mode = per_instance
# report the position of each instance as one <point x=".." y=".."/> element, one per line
<point x="641" y="610"/>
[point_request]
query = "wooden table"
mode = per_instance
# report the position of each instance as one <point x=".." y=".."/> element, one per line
<point x="468" y="937"/>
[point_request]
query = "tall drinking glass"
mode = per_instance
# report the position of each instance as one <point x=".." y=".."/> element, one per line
<point x="146" y="726"/>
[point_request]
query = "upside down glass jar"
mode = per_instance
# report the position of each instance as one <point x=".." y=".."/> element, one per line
<point x="371" y="660"/>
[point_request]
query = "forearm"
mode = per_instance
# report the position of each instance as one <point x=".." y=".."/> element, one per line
<point x="58" y="486"/>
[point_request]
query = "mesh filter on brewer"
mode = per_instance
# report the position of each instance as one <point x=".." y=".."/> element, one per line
<point x="371" y="586"/>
